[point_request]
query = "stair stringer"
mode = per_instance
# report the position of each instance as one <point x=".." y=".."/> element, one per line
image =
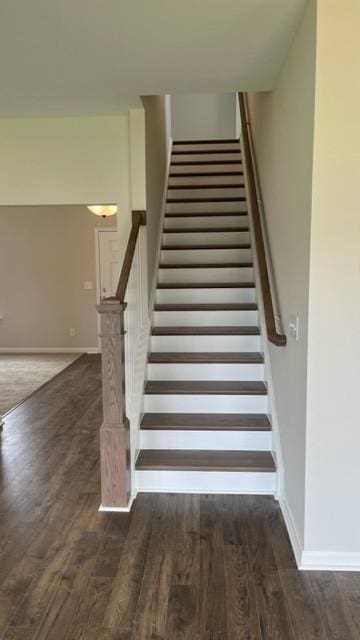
<point x="272" y="412"/>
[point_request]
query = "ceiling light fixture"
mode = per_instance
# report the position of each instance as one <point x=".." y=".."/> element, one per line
<point x="103" y="210"/>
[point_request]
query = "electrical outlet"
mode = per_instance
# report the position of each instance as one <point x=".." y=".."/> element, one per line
<point x="72" y="332"/>
<point x="294" y="327"/>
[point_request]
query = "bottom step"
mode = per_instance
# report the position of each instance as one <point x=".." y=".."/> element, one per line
<point x="200" y="460"/>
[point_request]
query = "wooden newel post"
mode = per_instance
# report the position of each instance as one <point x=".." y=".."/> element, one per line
<point x="115" y="429"/>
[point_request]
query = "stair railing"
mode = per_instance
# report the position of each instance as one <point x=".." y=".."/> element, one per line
<point x="276" y="338"/>
<point x="115" y="429"/>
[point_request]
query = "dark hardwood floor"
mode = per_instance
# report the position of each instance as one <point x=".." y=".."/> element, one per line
<point x="180" y="567"/>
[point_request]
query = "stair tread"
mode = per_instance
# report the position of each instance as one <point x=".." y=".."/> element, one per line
<point x="207" y="265"/>
<point x="206" y="229"/>
<point x="202" y="460"/>
<point x="207" y="199"/>
<point x="246" y="357"/>
<point x="208" y="141"/>
<point x="205" y="387"/>
<point x="206" y="306"/>
<point x="204" y="214"/>
<point x="206" y="174"/>
<point x="189" y="163"/>
<point x="205" y="152"/>
<point x="226" y="185"/>
<point x="206" y="331"/>
<point x="177" y="247"/>
<point x="207" y="421"/>
<point x="206" y="285"/>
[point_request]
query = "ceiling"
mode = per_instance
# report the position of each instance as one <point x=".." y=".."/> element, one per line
<point x="95" y="57"/>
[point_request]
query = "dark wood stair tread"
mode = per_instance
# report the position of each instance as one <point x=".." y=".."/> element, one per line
<point x="206" y="331"/>
<point x="204" y="214"/>
<point x="204" y="152"/>
<point x="206" y="230"/>
<point x="202" y="460"/>
<point x="207" y="306"/>
<point x="205" y="387"/>
<point x="206" y="174"/>
<point x="225" y="185"/>
<point x="209" y="141"/>
<point x="206" y="265"/>
<point x="177" y="247"/>
<point x="207" y="199"/>
<point x="206" y="421"/>
<point x="206" y="285"/>
<point x="211" y="357"/>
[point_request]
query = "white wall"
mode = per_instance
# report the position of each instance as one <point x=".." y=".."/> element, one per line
<point x="333" y="431"/>
<point x="137" y="158"/>
<point x="283" y="134"/>
<point x="202" y="116"/>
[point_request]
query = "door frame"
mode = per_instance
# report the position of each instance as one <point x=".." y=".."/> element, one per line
<point x="99" y="230"/>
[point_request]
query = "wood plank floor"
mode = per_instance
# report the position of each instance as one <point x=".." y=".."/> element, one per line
<point x="180" y="567"/>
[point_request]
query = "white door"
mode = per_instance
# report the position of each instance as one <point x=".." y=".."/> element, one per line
<point x="109" y="263"/>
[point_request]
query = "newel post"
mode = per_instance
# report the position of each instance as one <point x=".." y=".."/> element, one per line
<point x="114" y="431"/>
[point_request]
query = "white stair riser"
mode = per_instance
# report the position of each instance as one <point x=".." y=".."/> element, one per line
<point x="206" y="222"/>
<point x="194" y="194"/>
<point x="223" y="274"/>
<point x="195" y="371"/>
<point x="183" y="403"/>
<point x="204" y="157"/>
<point x="173" y="296"/>
<point x="207" y="237"/>
<point x="206" y="168"/>
<point x="218" y="440"/>
<point x="206" y="180"/>
<point x="181" y="256"/>
<point x="213" y="146"/>
<point x="210" y="207"/>
<point x="206" y="482"/>
<point x="205" y="318"/>
<point x="206" y="343"/>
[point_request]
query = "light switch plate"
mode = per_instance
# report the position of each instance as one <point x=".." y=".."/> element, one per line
<point x="294" y="327"/>
<point x="88" y="284"/>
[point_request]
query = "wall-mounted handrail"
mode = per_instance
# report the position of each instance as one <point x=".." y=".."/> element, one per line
<point x="274" y="337"/>
<point x="115" y="429"/>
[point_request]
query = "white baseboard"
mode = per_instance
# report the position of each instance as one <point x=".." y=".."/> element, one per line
<point x="50" y="350"/>
<point x="126" y="509"/>
<point x="292" y="530"/>
<point x="329" y="561"/>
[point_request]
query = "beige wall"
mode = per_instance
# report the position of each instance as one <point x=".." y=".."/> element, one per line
<point x="157" y="136"/>
<point x="283" y="134"/>
<point x="47" y="253"/>
<point x="333" y="433"/>
<point x="203" y="115"/>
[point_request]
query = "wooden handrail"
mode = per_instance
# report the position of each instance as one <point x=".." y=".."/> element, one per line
<point x="138" y="219"/>
<point x="115" y="429"/>
<point x="276" y="338"/>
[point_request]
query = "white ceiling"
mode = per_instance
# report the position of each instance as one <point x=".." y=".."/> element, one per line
<point x="92" y="57"/>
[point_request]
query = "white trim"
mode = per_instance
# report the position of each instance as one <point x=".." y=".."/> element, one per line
<point x="330" y="561"/>
<point x="126" y="509"/>
<point x="292" y="530"/>
<point x="49" y="350"/>
<point x="160" y="234"/>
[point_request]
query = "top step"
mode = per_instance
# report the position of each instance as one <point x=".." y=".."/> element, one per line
<point x="212" y="141"/>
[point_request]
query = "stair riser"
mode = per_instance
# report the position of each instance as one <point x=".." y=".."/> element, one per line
<point x="198" y="256"/>
<point x="190" y="222"/>
<point x="205" y="181"/>
<point x="209" y="207"/>
<point x="215" y="440"/>
<point x="206" y="343"/>
<point x="207" y="237"/>
<point x="206" y="482"/>
<point x="205" y="318"/>
<point x="195" y="194"/>
<point x="194" y="371"/>
<point x="205" y="403"/>
<point x="206" y="168"/>
<point x="210" y="147"/>
<point x="223" y="274"/>
<point x="205" y="157"/>
<point x="173" y="296"/>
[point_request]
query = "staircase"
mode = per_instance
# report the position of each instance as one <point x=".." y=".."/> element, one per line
<point x="205" y="399"/>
